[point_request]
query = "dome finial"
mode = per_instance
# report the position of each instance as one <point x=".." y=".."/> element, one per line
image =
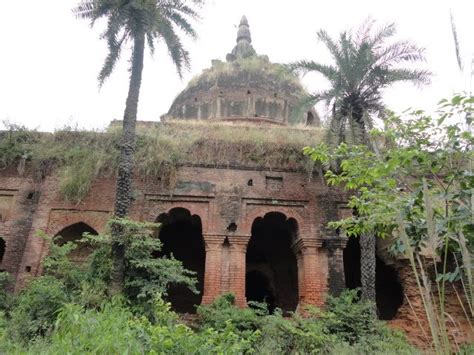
<point x="243" y="34"/>
<point x="243" y="48"/>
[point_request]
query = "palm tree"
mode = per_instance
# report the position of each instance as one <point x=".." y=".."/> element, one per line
<point x="364" y="65"/>
<point x="141" y="22"/>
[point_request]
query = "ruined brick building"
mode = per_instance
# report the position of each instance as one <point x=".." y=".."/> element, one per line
<point x="251" y="227"/>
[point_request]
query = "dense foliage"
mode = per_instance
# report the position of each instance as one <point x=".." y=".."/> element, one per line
<point x="417" y="188"/>
<point x="67" y="310"/>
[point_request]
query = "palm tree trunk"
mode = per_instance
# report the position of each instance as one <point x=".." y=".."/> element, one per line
<point x="126" y="165"/>
<point x="367" y="267"/>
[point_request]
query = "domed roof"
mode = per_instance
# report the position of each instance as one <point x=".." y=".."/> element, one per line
<point x="246" y="87"/>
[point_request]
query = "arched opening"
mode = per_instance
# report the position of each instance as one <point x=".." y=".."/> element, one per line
<point x="309" y="118"/>
<point x="258" y="289"/>
<point x="389" y="291"/>
<point x="74" y="234"/>
<point x="272" y="273"/>
<point x="181" y="235"/>
<point x="3" y="246"/>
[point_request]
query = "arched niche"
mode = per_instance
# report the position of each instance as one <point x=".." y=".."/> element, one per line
<point x="74" y="233"/>
<point x="181" y="235"/>
<point x="389" y="291"/>
<point x="3" y="247"/>
<point x="271" y="267"/>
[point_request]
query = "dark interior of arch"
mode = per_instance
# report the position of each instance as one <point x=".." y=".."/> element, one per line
<point x="3" y="246"/>
<point x="389" y="292"/>
<point x="181" y="235"/>
<point x="74" y="233"/>
<point x="272" y="274"/>
<point x="309" y="118"/>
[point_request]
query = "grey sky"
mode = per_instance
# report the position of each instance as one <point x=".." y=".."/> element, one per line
<point x="49" y="60"/>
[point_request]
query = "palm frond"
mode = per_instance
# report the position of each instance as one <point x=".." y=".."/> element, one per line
<point x="306" y="66"/>
<point x="401" y="51"/>
<point x="364" y="64"/>
<point x="183" y="24"/>
<point x="364" y="30"/>
<point x="333" y="47"/>
<point x="386" y="31"/>
<point x="417" y="76"/>
<point x="178" y="54"/>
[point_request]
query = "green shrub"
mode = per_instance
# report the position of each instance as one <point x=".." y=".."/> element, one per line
<point x="344" y="324"/>
<point x="36" y="309"/>
<point x="168" y="336"/>
<point x="146" y="275"/>
<point x="223" y="311"/>
<point x="5" y="297"/>
<point x="295" y="335"/>
<point x="58" y="265"/>
<point x="105" y="331"/>
<point x="349" y="318"/>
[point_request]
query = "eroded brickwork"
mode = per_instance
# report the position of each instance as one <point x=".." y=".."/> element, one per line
<point x="228" y="203"/>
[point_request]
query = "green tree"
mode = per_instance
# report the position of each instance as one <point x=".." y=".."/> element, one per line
<point x="418" y="189"/>
<point x="365" y="63"/>
<point x="140" y="22"/>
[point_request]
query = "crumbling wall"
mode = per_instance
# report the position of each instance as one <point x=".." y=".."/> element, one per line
<point x="227" y="201"/>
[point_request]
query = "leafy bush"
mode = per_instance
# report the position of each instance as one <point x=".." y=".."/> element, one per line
<point x="146" y="275"/>
<point x="223" y="311"/>
<point x="58" y="265"/>
<point x="36" y="309"/>
<point x="344" y="324"/>
<point x="295" y="335"/>
<point x="169" y="336"/>
<point x="105" y="331"/>
<point x="5" y="297"/>
<point x="350" y="319"/>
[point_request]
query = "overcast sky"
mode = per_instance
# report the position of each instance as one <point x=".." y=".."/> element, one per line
<point x="49" y="60"/>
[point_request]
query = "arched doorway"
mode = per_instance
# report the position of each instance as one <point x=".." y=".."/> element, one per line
<point x="74" y="233"/>
<point x="181" y="235"/>
<point x="272" y="273"/>
<point x="389" y="291"/>
<point x="3" y="246"/>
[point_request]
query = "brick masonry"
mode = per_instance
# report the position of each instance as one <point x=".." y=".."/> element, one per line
<point x="228" y="201"/>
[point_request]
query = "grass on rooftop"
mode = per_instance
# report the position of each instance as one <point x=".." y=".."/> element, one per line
<point x="79" y="157"/>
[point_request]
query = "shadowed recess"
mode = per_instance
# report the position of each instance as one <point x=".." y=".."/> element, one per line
<point x="2" y="249"/>
<point x="74" y="233"/>
<point x="181" y="235"/>
<point x="271" y="264"/>
<point x="389" y="291"/>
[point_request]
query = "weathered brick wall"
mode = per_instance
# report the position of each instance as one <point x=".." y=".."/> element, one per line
<point x="411" y="316"/>
<point x="19" y="201"/>
<point x="228" y="201"/>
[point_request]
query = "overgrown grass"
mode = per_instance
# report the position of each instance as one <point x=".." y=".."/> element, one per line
<point x="254" y="69"/>
<point x="254" y="64"/>
<point x="78" y="157"/>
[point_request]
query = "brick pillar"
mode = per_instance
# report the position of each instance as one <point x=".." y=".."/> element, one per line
<point x="212" y="273"/>
<point x="238" y="251"/>
<point x="335" y="247"/>
<point x="312" y="279"/>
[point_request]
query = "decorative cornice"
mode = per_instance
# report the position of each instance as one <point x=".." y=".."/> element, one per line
<point x="303" y="245"/>
<point x="337" y="242"/>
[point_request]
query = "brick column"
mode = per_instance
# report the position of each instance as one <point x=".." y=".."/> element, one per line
<point x="212" y="272"/>
<point x="312" y="271"/>
<point x="335" y="247"/>
<point x="238" y="251"/>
